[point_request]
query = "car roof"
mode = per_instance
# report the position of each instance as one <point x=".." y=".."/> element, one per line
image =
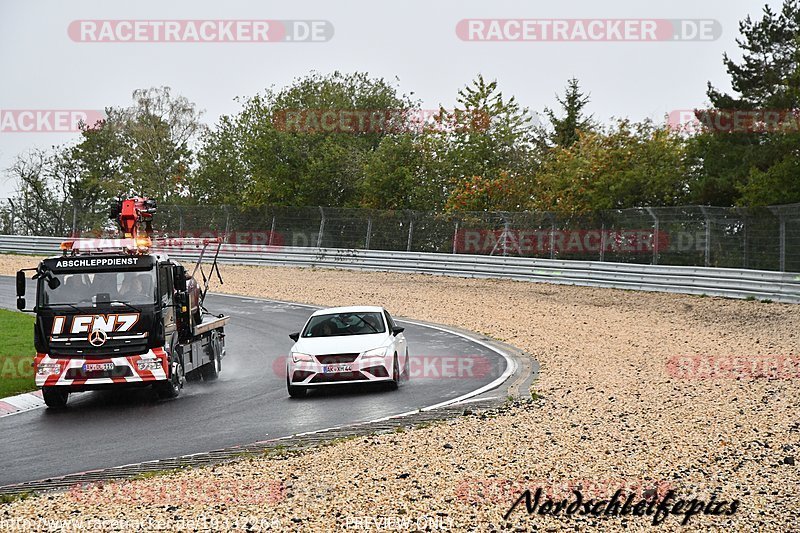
<point x="350" y="309"/>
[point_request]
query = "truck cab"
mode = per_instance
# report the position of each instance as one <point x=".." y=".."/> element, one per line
<point x="108" y="320"/>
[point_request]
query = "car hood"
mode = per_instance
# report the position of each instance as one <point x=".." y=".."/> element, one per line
<point x="343" y="344"/>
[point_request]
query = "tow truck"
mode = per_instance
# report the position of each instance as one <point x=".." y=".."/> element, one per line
<point x="119" y="312"/>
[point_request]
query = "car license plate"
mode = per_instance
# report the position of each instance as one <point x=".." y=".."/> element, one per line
<point x="333" y="369"/>
<point x="97" y="367"/>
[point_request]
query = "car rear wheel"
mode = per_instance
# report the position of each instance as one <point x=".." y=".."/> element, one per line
<point x="55" y="397"/>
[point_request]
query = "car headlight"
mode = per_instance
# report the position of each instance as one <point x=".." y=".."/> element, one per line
<point x="45" y="369"/>
<point x="377" y="352"/>
<point x="298" y="357"/>
<point x="149" y="364"/>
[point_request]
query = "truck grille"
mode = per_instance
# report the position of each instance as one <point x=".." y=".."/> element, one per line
<point x="86" y="350"/>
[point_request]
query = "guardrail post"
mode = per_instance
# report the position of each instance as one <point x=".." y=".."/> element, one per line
<point x="708" y="236"/>
<point x="655" y="235"/>
<point x="369" y="233"/>
<point x="321" y="227"/>
<point x="455" y="239"/>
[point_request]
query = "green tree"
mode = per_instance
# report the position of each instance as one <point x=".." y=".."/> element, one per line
<point x="146" y="148"/>
<point x="275" y="151"/>
<point x="486" y="138"/>
<point x="755" y="167"/>
<point x="628" y="165"/>
<point x="565" y="129"/>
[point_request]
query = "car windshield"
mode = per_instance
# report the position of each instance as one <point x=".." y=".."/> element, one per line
<point x="340" y="324"/>
<point x="101" y="287"/>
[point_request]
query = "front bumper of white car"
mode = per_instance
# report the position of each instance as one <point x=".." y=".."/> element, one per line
<point x="309" y="371"/>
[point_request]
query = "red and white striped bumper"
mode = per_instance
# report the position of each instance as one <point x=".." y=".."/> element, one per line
<point x="74" y="373"/>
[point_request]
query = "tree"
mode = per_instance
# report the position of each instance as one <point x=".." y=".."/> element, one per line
<point x="754" y="165"/>
<point x="487" y="138"/>
<point x="146" y="148"/>
<point x="565" y="130"/>
<point x="628" y="165"/>
<point x="277" y="150"/>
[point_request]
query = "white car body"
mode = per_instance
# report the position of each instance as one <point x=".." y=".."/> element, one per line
<point x="340" y="358"/>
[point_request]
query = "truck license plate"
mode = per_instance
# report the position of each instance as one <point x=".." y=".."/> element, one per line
<point x="97" y="367"/>
<point x="333" y="369"/>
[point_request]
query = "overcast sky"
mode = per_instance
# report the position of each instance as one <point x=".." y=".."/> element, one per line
<point x="44" y="68"/>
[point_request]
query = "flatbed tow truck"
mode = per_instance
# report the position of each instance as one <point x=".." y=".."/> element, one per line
<point x="119" y="312"/>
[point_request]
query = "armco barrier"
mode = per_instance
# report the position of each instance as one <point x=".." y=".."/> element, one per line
<point x="733" y="283"/>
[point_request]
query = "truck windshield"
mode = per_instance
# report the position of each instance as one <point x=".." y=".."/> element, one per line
<point x="101" y="287"/>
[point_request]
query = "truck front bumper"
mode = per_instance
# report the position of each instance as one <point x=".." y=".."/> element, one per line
<point x="87" y="374"/>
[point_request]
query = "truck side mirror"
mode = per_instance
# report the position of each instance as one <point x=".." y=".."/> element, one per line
<point x="20" y="284"/>
<point x="294" y="336"/>
<point x="21" y="303"/>
<point x="179" y="278"/>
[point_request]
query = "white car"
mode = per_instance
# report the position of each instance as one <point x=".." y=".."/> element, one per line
<point x="347" y="345"/>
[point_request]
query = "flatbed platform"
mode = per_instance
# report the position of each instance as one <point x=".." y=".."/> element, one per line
<point x="208" y="325"/>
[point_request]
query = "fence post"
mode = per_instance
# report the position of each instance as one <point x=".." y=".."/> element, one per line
<point x="13" y="209"/>
<point x="708" y="236"/>
<point x="271" y="231"/>
<point x="321" y="227"/>
<point x="369" y="233"/>
<point x="455" y="239"/>
<point x="552" y="236"/>
<point x="782" y="237"/>
<point x="180" y="222"/>
<point x="227" y="223"/>
<point x="744" y="251"/>
<point x="75" y="219"/>
<point x="655" y="235"/>
<point x="410" y="233"/>
<point x="603" y="242"/>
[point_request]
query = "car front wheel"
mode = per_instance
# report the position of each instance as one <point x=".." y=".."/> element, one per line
<point x="395" y="382"/>
<point x="295" y="391"/>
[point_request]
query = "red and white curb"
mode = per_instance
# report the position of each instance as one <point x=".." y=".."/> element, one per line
<point x="21" y="402"/>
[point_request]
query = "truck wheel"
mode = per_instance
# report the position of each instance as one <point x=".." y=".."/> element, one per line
<point x="55" y="397"/>
<point x="295" y="391"/>
<point x="210" y="371"/>
<point x="171" y="388"/>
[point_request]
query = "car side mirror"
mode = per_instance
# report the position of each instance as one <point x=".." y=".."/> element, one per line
<point x="397" y="330"/>
<point x="295" y="336"/>
<point x="20" y="284"/>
